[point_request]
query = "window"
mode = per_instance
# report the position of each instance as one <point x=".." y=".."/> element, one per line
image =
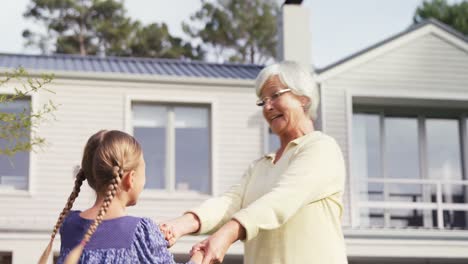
<point x="14" y="170"/>
<point x="176" y="141"/>
<point x="406" y="164"/>
<point x="5" y="258"/>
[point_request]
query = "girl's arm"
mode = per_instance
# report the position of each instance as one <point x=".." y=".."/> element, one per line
<point x="210" y="215"/>
<point x="180" y="226"/>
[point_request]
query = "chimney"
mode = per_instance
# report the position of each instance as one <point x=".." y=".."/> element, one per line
<point x="294" y="42"/>
<point x="101" y="53"/>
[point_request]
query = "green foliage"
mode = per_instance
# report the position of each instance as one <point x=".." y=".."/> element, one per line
<point x="79" y="27"/>
<point x="237" y="30"/>
<point x="18" y="130"/>
<point x="88" y="27"/>
<point x="454" y="15"/>
<point x="155" y="41"/>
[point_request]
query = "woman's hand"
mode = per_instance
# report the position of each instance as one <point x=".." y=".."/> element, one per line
<point x="178" y="227"/>
<point x="197" y="257"/>
<point x="214" y="248"/>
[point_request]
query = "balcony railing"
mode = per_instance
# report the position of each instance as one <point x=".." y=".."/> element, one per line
<point x="432" y="205"/>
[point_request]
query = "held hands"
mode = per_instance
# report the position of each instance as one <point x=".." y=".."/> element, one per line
<point x="167" y="229"/>
<point x="214" y="248"/>
<point x="178" y="227"/>
<point x="197" y="258"/>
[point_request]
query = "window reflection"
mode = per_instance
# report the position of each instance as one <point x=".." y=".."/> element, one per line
<point x="402" y="157"/>
<point x="14" y="170"/>
<point x="367" y="155"/>
<point x="192" y="148"/>
<point x="190" y="129"/>
<point x="149" y="128"/>
<point x="414" y="150"/>
<point x="444" y="156"/>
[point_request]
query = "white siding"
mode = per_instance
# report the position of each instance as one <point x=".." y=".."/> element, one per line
<point x="428" y="63"/>
<point x="86" y="106"/>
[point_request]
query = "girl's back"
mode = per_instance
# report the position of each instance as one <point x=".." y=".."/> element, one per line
<point x="124" y="239"/>
<point x="114" y="167"/>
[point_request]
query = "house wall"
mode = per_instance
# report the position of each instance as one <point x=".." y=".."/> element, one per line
<point x="428" y="66"/>
<point x="86" y="106"/>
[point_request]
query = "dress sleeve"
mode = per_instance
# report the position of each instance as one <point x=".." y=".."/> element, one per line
<point x="316" y="171"/>
<point x="150" y="245"/>
<point x="215" y="212"/>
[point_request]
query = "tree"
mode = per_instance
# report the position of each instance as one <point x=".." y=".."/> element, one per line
<point x="155" y="40"/>
<point x="80" y="27"/>
<point x="237" y="30"/>
<point x="91" y="26"/>
<point x="454" y="15"/>
<point x="18" y="130"/>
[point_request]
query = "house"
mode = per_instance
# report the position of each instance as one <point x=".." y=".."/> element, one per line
<point x="398" y="110"/>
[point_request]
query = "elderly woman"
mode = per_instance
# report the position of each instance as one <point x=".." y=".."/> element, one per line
<point x="288" y="206"/>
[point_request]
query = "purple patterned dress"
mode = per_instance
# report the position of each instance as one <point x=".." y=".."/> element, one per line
<point x="125" y="239"/>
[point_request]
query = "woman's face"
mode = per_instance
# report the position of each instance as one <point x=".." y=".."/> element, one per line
<point x="284" y="113"/>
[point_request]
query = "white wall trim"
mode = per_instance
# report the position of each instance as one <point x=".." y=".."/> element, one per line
<point x="406" y="243"/>
<point x="266" y="138"/>
<point x="353" y="190"/>
<point x="322" y="106"/>
<point x="67" y="76"/>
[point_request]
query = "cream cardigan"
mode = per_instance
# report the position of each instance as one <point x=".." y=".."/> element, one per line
<point x="291" y="210"/>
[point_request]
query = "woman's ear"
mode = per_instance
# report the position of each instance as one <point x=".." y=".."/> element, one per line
<point x="305" y="101"/>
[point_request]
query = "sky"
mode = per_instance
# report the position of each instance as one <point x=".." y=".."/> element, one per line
<point x="339" y="28"/>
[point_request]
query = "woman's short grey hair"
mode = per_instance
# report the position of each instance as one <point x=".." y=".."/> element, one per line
<point x="295" y="77"/>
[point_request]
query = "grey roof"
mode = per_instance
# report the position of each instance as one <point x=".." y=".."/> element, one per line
<point x="408" y="30"/>
<point x="129" y="65"/>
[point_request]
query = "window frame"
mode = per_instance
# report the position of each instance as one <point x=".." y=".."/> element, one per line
<point x="30" y="190"/>
<point x="171" y="193"/>
<point x="392" y="96"/>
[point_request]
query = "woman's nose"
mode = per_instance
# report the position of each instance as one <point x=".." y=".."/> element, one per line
<point x="268" y="105"/>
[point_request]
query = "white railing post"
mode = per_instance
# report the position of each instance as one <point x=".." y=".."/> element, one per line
<point x="440" y="212"/>
<point x="439" y="204"/>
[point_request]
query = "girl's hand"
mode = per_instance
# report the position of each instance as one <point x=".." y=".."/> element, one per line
<point x="178" y="227"/>
<point x="168" y="232"/>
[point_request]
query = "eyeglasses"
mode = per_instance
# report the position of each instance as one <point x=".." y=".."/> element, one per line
<point x="263" y="101"/>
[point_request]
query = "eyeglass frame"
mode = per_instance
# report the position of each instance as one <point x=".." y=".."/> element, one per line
<point x="263" y="101"/>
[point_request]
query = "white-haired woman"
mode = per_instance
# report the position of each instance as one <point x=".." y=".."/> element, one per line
<point x="288" y="206"/>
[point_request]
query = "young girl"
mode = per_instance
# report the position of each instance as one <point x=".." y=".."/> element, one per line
<point x="114" y="167"/>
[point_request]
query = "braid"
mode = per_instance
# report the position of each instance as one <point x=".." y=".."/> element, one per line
<point x="111" y="191"/>
<point x="80" y="177"/>
<point x="110" y="194"/>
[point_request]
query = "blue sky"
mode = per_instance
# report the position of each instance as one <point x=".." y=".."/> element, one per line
<point x="339" y="27"/>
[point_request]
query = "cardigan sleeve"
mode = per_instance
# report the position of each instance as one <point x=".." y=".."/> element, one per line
<point x="315" y="171"/>
<point x="215" y="212"/>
